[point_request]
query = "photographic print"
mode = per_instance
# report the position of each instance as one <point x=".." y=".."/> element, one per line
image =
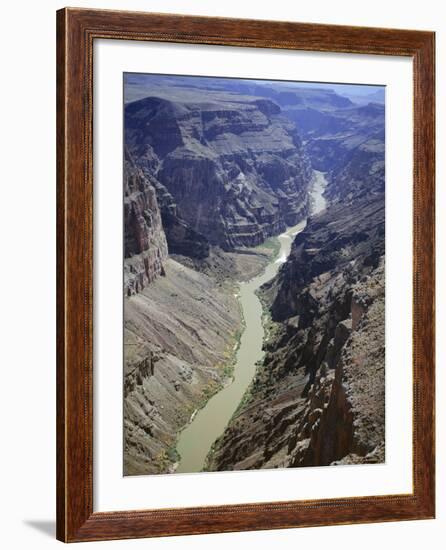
<point x="254" y="274"/>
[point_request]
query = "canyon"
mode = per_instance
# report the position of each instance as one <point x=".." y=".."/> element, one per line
<point x="233" y="165"/>
<point x="318" y="396"/>
<point x="254" y="260"/>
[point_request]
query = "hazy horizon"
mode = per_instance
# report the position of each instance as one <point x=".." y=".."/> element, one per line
<point x="355" y="92"/>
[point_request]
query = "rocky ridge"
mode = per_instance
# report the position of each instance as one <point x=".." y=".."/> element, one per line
<point x="234" y="166"/>
<point x="224" y="167"/>
<point x="318" y="396"/>
<point x="332" y="136"/>
<point x="179" y="336"/>
<point x="145" y="245"/>
<point x="198" y="178"/>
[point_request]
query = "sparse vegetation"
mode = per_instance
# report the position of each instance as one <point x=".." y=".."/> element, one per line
<point x="203" y="201"/>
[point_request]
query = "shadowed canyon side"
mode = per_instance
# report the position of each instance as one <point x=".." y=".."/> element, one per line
<point x="178" y="333"/>
<point x="145" y="245"/>
<point x="197" y="438"/>
<point x="318" y="396"/>
<point x="233" y="164"/>
<point x="237" y="191"/>
<point x="206" y="174"/>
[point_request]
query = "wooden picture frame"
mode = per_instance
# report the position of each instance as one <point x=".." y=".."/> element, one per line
<point x="76" y="31"/>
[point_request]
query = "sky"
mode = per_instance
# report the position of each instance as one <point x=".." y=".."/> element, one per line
<point x="352" y="91"/>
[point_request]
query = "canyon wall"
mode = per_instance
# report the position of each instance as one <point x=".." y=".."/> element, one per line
<point x="318" y="396"/>
<point x="179" y="335"/>
<point x="203" y="172"/>
<point x="233" y="165"/>
<point x="213" y="168"/>
<point x="145" y="245"/>
<point x="332" y="135"/>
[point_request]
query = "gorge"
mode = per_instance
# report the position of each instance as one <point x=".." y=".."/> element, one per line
<point x="253" y="276"/>
<point x="196" y="439"/>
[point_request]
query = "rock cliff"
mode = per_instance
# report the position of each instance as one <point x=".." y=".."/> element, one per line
<point x="331" y="136"/>
<point x="179" y="334"/>
<point x="145" y="246"/>
<point x="179" y="325"/>
<point x="213" y="166"/>
<point x="233" y="165"/>
<point x="362" y="175"/>
<point x="318" y="396"/>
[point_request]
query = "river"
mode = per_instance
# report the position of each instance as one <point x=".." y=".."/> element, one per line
<point x="317" y="198"/>
<point x="208" y="423"/>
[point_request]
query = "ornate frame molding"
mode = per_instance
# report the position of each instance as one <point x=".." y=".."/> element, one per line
<point x="76" y="31"/>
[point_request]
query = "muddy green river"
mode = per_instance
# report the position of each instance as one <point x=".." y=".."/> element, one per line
<point x="208" y="423"/>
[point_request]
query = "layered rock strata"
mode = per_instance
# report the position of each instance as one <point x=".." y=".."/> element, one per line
<point x="179" y="335"/>
<point x="318" y="396"/>
<point x="223" y="166"/>
<point x="332" y="136"/>
<point x="145" y="245"/>
<point x="234" y="166"/>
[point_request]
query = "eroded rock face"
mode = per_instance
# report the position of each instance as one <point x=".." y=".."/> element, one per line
<point x="318" y="397"/>
<point x="342" y="239"/>
<point x="179" y="326"/>
<point x="179" y="333"/>
<point x="332" y="135"/>
<point x="350" y="423"/>
<point x="167" y="368"/>
<point x="363" y="176"/>
<point x="234" y="166"/>
<point x="145" y="245"/>
<point x="220" y="167"/>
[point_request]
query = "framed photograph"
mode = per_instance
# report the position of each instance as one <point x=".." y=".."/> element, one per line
<point x="245" y="221"/>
